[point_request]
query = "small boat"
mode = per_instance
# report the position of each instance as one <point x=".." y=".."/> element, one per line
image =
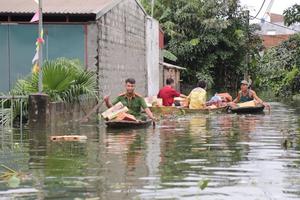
<point x="127" y="124"/>
<point x="205" y="110"/>
<point x="166" y="110"/>
<point x="169" y="110"/>
<point x="247" y="109"/>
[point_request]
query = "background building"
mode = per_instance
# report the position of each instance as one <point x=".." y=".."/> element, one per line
<point x="273" y="31"/>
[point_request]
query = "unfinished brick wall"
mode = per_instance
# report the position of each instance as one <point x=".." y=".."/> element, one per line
<point x="273" y="40"/>
<point x="122" y="48"/>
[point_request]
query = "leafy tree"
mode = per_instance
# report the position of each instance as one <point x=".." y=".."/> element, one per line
<point x="210" y="38"/>
<point x="279" y="69"/>
<point x="292" y="15"/>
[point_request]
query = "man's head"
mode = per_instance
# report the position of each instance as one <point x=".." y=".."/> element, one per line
<point x="201" y="84"/>
<point x="130" y="85"/>
<point x="169" y="81"/>
<point x="244" y="85"/>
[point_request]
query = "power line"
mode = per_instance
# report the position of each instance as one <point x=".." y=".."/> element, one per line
<point x="268" y="8"/>
<point x="278" y="25"/>
<point x="262" y="5"/>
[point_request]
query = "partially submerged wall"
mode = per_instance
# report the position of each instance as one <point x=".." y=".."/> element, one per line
<point x="44" y="114"/>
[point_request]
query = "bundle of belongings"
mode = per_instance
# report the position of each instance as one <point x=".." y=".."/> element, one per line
<point x="219" y="100"/>
<point x="153" y="101"/>
<point x="252" y="103"/>
<point x="118" y="112"/>
<point x="181" y="102"/>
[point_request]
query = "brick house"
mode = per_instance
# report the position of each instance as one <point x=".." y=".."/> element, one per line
<point x="273" y="31"/>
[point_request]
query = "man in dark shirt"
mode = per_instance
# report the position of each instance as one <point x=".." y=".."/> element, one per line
<point x="168" y="93"/>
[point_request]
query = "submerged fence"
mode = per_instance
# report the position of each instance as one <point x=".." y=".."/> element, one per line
<point x="12" y="111"/>
<point x="12" y="149"/>
<point x="11" y="121"/>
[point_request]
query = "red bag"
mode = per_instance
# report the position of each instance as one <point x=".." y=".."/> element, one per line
<point x="225" y="96"/>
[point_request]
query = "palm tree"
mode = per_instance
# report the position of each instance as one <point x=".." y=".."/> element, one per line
<point x="63" y="80"/>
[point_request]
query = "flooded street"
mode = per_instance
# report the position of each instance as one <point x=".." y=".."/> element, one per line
<point x="215" y="156"/>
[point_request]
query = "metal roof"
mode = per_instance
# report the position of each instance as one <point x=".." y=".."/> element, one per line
<point x="168" y="65"/>
<point x="58" y="6"/>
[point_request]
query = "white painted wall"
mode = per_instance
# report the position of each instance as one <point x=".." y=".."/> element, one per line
<point x="152" y="55"/>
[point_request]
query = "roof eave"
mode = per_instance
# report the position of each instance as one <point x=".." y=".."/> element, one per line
<point x="168" y="65"/>
<point x="112" y="5"/>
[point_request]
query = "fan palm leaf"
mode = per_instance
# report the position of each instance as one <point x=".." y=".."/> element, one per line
<point x="63" y="80"/>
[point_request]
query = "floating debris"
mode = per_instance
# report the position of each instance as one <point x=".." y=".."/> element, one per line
<point x="68" y="138"/>
<point x="203" y="184"/>
<point x="12" y="177"/>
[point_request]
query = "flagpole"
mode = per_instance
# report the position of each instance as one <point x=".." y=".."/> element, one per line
<point x="40" y="47"/>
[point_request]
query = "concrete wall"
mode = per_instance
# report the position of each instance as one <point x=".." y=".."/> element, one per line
<point x="44" y="114"/>
<point x="63" y="114"/>
<point x="152" y="56"/>
<point x="121" y="37"/>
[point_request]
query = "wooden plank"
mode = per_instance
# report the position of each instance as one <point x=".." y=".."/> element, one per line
<point x="68" y="138"/>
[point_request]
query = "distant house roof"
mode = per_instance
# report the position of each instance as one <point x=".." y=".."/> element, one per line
<point x="275" y="26"/>
<point x="278" y="28"/>
<point x="170" y="66"/>
<point x="98" y="7"/>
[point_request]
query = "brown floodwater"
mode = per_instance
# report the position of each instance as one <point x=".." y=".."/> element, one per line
<point x="215" y="156"/>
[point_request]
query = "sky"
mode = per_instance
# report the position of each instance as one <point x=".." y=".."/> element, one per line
<point x="278" y="6"/>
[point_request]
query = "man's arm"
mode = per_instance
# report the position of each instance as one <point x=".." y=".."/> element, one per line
<point x="178" y="94"/>
<point x="147" y="110"/>
<point x="259" y="100"/>
<point x="158" y="95"/>
<point x="149" y="113"/>
<point x="108" y="103"/>
<point x="237" y="99"/>
<point x="256" y="97"/>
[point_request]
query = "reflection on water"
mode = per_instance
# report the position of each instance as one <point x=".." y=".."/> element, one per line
<point x="241" y="157"/>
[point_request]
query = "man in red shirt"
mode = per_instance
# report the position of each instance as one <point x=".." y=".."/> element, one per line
<point x="168" y="93"/>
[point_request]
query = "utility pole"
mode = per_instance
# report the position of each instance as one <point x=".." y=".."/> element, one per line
<point x="247" y="57"/>
<point x="40" y="47"/>
<point x="152" y="7"/>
